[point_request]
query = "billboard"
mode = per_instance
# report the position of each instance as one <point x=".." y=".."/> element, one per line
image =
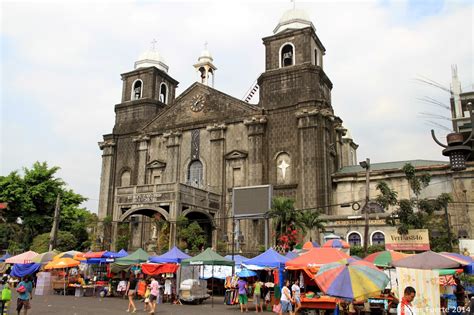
<point x="414" y="240"/>
<point x="251" y="200"/>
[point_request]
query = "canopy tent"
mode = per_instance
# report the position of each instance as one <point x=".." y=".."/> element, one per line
<point x="316" y="257"/>
<point x="21" y="270"/>
<point x="174" y="255"/>
<point x="121" y="253"/>
<point x="269" y="259"/>
<point x="291" y="255"/>
<point x="4" y="257"/>
<point x="93" y="254"/>
<point x="68" y="254"/>
<point x="44" y="257"/>
<point x="62" y="263"/>
<point x="238" y="259"/>
<point x="137" y="257"/>
<point x="208" y="257"/>
<point x="428" y="260"/>
<point x="156" y="269"/>
<point x="24" y="258"/>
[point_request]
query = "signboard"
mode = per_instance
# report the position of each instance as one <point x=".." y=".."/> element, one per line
<point x="252" y="200"/>
<point x="414" y="240"/>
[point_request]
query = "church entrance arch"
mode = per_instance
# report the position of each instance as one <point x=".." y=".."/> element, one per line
<point x="205" y="221"/>
<point x="144" y="225"/>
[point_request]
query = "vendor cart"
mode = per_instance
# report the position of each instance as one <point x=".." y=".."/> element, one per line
<point x="193" y="291"/>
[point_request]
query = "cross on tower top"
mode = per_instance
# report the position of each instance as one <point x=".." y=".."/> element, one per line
<point x="205" y="45"/>
<point x="153" y="44"/>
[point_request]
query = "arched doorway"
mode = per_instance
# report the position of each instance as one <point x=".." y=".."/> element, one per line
<point x="143" y="227"/>
<point x="205" y="222"/>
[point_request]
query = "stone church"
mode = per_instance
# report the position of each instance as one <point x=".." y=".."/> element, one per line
<point x="171" y="156"/>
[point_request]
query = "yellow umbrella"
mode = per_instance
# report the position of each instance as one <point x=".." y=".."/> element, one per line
<point x="62" y="263"/>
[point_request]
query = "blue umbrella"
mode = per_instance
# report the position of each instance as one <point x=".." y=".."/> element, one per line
<point x="245" y="273"/>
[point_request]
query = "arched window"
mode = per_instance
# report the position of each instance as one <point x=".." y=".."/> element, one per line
<point x="378" y="238"/>
<point x="125" y="179"/>
<point x="287" y="55"/>
<point x="195" y="174"/>
<point x="354" y="239"/>
<point x="137" y="89"/>
<point x="163" y="93"/>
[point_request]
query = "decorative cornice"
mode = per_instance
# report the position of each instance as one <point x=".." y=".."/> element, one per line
<point x="106" y="143"/>
<point x="216" y="127"/>
<point x="156" y="164"/>
<point x="255" y="120"/>
<point x="235" y="155"/>
<point x="172" y="134"/>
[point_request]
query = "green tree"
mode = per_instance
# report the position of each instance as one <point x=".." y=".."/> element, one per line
<point x="283" y="214"/>
<point x="416" y="213"/>
<point x="123" y="236"/>
<point x="310" y="220"/>
<point x="65" y="241"/>
<point x="31" y="199"/>
<point x="193" y="235"/>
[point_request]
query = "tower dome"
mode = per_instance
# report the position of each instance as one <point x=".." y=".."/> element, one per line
<point x="293" y="19"/>
<point x="151" y="58"/>
<point x="205" y="56"/>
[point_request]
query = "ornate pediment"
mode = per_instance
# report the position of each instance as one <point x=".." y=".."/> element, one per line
<point x="198" y="105"/>
<point x="156" y="164"/>
<point x="236" y="154"/>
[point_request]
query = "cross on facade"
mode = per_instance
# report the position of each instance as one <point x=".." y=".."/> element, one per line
<point x="153" y="44"/>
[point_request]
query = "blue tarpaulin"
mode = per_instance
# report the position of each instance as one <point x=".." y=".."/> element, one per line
<point x="174" y="255"/>
<point x="121" y="253"/>
<point x="21" y="270"/>
<point x="268" y="259"/>
<point x="96" y="261"/>
<point x="5" y="257"/>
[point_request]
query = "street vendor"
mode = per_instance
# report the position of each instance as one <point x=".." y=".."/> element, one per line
<point x="405" y="307"/>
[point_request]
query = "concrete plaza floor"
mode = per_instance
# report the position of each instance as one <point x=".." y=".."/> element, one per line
<point x="71" y="305"/>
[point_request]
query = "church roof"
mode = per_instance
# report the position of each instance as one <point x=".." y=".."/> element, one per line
<point x="293" y="19"/>
<point x="396" y="165"/>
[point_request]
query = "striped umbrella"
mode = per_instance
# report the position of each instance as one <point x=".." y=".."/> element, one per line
<point x="336" y="243"/>
<point x="351" y="279"/>
<point x="465" y="260"/>
<point x="385" y="258"/>
<point x="44" y="258"/>
<point x="68" y="254"/>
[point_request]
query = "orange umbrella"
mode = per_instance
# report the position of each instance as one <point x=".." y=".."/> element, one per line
<point x="62" y="263"/>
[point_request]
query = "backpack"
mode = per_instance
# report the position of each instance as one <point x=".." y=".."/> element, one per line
<point x="6" y="294"/>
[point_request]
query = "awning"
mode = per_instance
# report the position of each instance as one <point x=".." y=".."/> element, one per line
<point x="156" y="269"/>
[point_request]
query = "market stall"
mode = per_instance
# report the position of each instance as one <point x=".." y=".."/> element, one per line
<point x="206" y="258"/>
<point x="24" y="258"/>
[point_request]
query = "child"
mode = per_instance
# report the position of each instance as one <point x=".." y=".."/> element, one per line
<point x="147" y="300"/>
<point x="6" y="295"/>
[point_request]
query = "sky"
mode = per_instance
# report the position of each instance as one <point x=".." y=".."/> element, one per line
<point x="61" y="63"/>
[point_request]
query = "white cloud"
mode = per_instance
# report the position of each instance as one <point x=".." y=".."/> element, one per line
<point x="61" y="64"/>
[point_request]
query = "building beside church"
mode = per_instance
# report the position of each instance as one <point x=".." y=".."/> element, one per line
<point x="170" y="156"/>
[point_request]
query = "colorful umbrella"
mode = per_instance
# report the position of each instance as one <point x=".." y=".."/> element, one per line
<point x="385" y="258"/>
<point x="68" y="254"/>
<point x="336" y="243"/>
<point x="24" y="258"/>
<point x="351" y="279"/>
<point x="245" y="273"/>
<point x="308" y="245"/>
<point x="44" y="257"/>
<point x="428" y="260"/>
<point x="466" y="260"/>
<point x="62" y="263"/>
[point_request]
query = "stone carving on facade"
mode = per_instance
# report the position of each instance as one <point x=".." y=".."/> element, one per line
<point x="106" y="143"/>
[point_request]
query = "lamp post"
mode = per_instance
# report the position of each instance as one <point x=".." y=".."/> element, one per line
<point x="366" y="164"/>
<point x="457" y="147"/>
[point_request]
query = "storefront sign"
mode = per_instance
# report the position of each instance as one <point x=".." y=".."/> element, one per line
<point x="414" y="240"/>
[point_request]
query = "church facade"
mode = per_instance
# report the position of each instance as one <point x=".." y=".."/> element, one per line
<point x="171" y="156"/>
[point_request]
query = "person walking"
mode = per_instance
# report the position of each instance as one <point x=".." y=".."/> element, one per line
<point x="24" y="289"/>
<point x="242" y="286"/>
<point x="6" y="296"/>
<point x="405" y="307"/>
<point x="154" y="290"/>
<point x="286" y="299"/>
<point x="130" y="291"/>
<point x="296" y="291"/>
<point x="257" y="296"/>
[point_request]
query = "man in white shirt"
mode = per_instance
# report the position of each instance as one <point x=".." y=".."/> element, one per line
<point x="405" y="307"/>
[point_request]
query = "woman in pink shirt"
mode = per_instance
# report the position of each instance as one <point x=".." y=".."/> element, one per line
<point x="154" y="289"/>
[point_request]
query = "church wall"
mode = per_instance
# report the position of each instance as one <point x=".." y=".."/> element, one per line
<point x="148" y="85"/>
<point x="126" y="159"/>
<point x="157" y="148"/>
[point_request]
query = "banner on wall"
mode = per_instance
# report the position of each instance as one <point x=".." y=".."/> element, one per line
<point x="414" y="240"/>
<point x="426" y="285"/>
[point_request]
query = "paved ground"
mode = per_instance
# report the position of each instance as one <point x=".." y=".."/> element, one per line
<point x="70" y="305"/>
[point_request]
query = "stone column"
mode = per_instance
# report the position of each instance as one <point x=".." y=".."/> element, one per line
<point x="257" y="149"/>
<point x="142" y="148"/>
<point x="173" y="159"/>
<point x="106" y="183"/>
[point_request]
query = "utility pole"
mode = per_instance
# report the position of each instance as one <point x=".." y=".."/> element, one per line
<point x="366" y="165"/>
<point x="233" y="243"/>
<point x="54" y="229"/>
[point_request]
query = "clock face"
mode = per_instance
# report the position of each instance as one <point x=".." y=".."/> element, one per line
<point x="197" y="103"/>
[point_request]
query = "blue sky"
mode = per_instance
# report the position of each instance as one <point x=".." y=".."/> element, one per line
<point x="61" y="65"/>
